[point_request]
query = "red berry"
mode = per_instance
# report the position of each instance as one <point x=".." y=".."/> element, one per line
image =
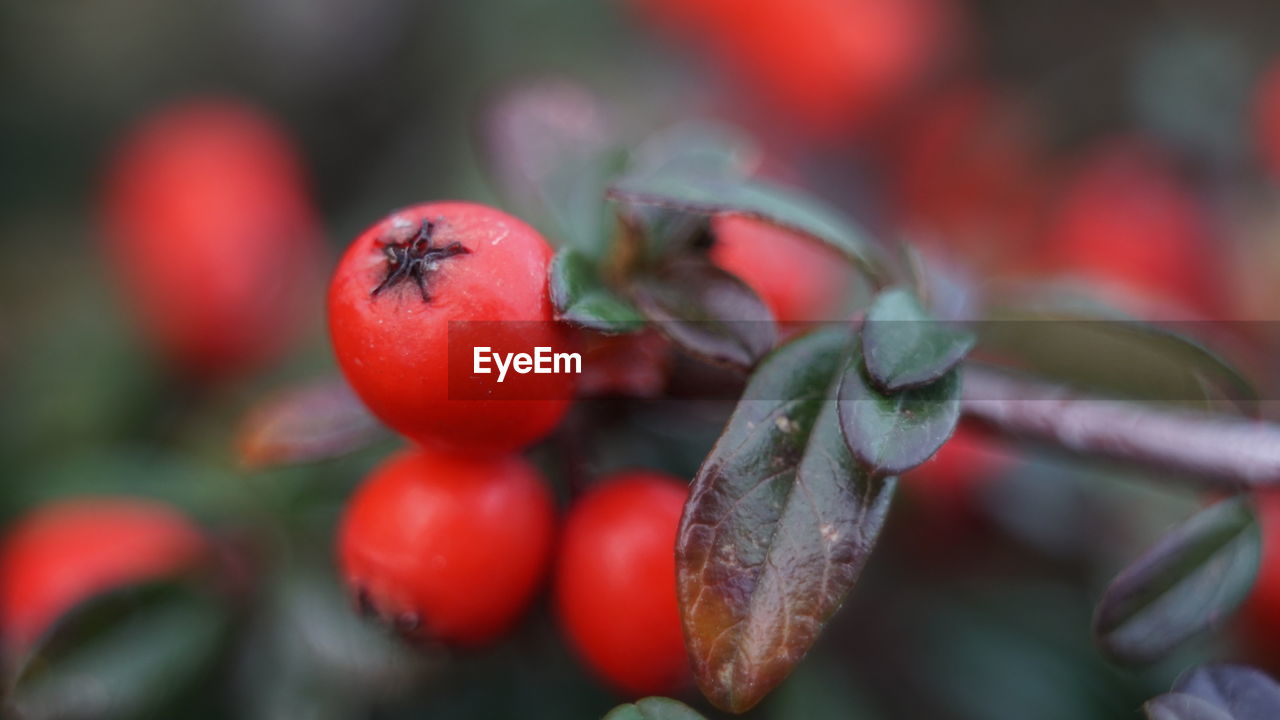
<point x="213" y="236"/>
<point x="1267" y="119"/>
<point x="1127" y="223"/>
<point x="971" y="174"/>
<point x="448" y="547"/>
<point x="64" y="553"/>
<point x="829" y="66"/>
<point x="799" y="279"/>
<point x="616" y="582"/>
<point x="423" y="273"/>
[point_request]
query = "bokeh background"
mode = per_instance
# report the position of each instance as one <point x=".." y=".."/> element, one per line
<point x="973" y="127"/>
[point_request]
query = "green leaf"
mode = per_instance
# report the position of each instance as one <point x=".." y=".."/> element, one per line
<point x="1181" y="706"/>
<point x="124" y="654"/>
<point x="653" y="708"/>
<point x="1194" y="577"/>
<point x="1245" y="693"/>
<point x="706" y="311"/>
<point x="317" y="421"/>
<point x="905" y="347"/>
<point x="581" y="297"/>
<point x="891" y="434"/>
<point x="548" y="147"/>
<point x="1122" y="359"/>
<point x="780" y="521"/>
<point x="706" y="194"/>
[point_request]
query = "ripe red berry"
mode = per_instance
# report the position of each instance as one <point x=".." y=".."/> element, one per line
<point x="213" y="236"/>
<point x="616" y="582"/>
<point x="1127" y="223"/>
<point x="448" y="547"/>
<point x="423" y="273"/>
<point x="64" y="553"/>
<point x="799" y="279"/>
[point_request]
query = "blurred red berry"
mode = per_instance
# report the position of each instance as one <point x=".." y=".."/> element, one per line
<point x="830" y="66"/>
<point x="616" y="582"/>
<point x="1267" y="119"/>
<point x="970" y="173"/>
<point x="64" y="553"/>
<point x="425" y="272"/>
<point x="213" y="235"/>
<point x="1128" y="224"/>
<point x="799" y="278"/>
<point x="447" y="547"/>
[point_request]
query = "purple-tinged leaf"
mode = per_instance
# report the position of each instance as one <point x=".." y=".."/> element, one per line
<point x="317" y="421"/>
<point x="706" y="311"/>
<point x="779" y="524"/>
<point x="1244" y="692"/>
<point x="1191" y="579"/>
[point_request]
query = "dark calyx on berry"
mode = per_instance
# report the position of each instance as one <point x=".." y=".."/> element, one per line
<point x="415" y="259"/>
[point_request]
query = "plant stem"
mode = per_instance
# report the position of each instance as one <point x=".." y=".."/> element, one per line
<point x="1218" y="449"/>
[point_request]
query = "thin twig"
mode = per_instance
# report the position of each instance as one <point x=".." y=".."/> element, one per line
<point x="1218" y="449"/>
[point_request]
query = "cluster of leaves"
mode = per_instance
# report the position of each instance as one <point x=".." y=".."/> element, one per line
<point x="789" y="503"/>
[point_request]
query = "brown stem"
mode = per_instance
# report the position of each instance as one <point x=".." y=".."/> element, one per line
<point x="1219" y="449"/>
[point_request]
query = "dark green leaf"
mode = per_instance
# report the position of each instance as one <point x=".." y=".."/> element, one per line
<point x="1180" y="706"/>
<point x="778" y="526"/>
<point x="706" y="311"/>
<point x="1244" y="692"/>
<point x="905" y="347"/>
<point x="1194" y="577"/>
<point x="317" y="421"/>
<point x="124" y="655"/>
<point x="1121" y="359"/>
<point x="787" y="208"/>
<point x="581" y="297"/>
<point x="653" y="708"/>
<point x="547" y="146"/>
<point x="891" y="434"/>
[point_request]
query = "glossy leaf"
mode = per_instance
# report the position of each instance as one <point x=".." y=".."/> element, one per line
<point x="1245" y="693"/>
<point x="318" y="421"/>
<point x="547" y="146"/>
<point x="1119" y="358"/>
<point x="706" y="311"/>
<point x="699" y="193"/>
<point x="581" y="297"/>
<point x="904" y="347"/>
<point x="653" y="708"/>
<point x="125" y="654"/>
<point x="1180" y="706"/>
<point x="1194" y="577"/>
<point x="891" y="434"/>
<point x="778" y="526"/>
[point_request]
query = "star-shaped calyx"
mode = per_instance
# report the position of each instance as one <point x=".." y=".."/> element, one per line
<point x="416" y="258"/>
